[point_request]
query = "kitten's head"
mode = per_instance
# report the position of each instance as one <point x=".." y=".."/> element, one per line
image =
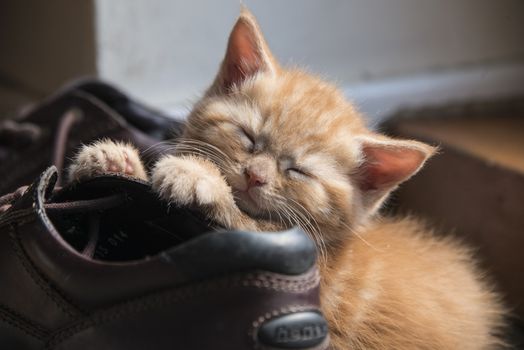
<point x="290" y="145"/>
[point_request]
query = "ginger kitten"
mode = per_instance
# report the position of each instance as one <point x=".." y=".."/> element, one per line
<point x="267" y="148"/>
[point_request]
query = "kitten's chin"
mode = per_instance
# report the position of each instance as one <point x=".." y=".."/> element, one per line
<point x="249" y="206"/>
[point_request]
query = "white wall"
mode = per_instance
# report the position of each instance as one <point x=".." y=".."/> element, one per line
<point x="167" y="51"/>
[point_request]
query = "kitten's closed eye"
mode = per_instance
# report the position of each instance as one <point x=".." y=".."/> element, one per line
<point x="248" y="140"/>
<point x="296" y="172"/>
<point x="289" y="167"/>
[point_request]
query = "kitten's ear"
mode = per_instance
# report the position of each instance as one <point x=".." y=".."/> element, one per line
<point x="247" y="54"/>
<point x="386" y="164"/>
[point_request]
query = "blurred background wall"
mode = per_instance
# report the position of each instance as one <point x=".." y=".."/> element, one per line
<point x="167" y="51"/>
<point x="42" y="45"/>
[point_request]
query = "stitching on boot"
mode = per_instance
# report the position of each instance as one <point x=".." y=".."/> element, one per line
<point x="25" y="325"/>
<point x="39" y="279"/>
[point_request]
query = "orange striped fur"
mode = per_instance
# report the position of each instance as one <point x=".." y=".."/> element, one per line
<point x="387" y="283"/>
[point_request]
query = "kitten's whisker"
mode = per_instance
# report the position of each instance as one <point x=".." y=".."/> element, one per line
<point x="362" y="238"/>
<point x="308" y="223"/>
<point x="268" y="212"/>
<point x="292" y="219"/>
<point x="187" y="146"/>
<point x="205" y="144"/>
<point x="307" y="212"/>
<point x="199" y="153"/>
<point x="281" y="219"/>
<point x="306" y="215"/>
<point x="204" y="148"/>
<point x="186" y="149"/>
<point x="152" y="149"/>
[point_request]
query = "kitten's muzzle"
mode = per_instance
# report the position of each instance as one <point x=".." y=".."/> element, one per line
<point x="254" y="178"/>
<point x="259" y="171"/>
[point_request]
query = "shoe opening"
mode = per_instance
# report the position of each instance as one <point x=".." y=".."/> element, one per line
<point x="121" y="225"/>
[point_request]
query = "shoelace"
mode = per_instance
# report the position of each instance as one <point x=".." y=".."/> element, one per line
<point x="15" y="135"/>
<point x="67" y="120"/>
<point x="8" y="199"/>
<point x="18" y="135"/>
<point x="98" y="204"/>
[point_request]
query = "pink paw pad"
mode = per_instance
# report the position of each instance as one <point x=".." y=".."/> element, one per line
<point x="115" y="166"/>
<point x="129" y="168"/>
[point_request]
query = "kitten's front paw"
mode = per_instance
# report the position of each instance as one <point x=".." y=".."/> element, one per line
<point x="189" y="181"/>
<point x="104" y="157"/>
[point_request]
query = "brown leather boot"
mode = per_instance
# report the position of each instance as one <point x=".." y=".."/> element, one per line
<point x="52" y="131"/>
<point x="105" y="265"/>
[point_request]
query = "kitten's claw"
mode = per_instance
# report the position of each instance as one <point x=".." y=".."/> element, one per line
<point x="106" y="157"/>
<point x="189" y="181"/>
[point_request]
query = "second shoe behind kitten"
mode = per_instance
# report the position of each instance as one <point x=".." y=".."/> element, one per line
<point x="269" y="148"/>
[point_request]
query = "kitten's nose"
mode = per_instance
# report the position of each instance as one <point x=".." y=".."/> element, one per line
<point x="255" y="178"/>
